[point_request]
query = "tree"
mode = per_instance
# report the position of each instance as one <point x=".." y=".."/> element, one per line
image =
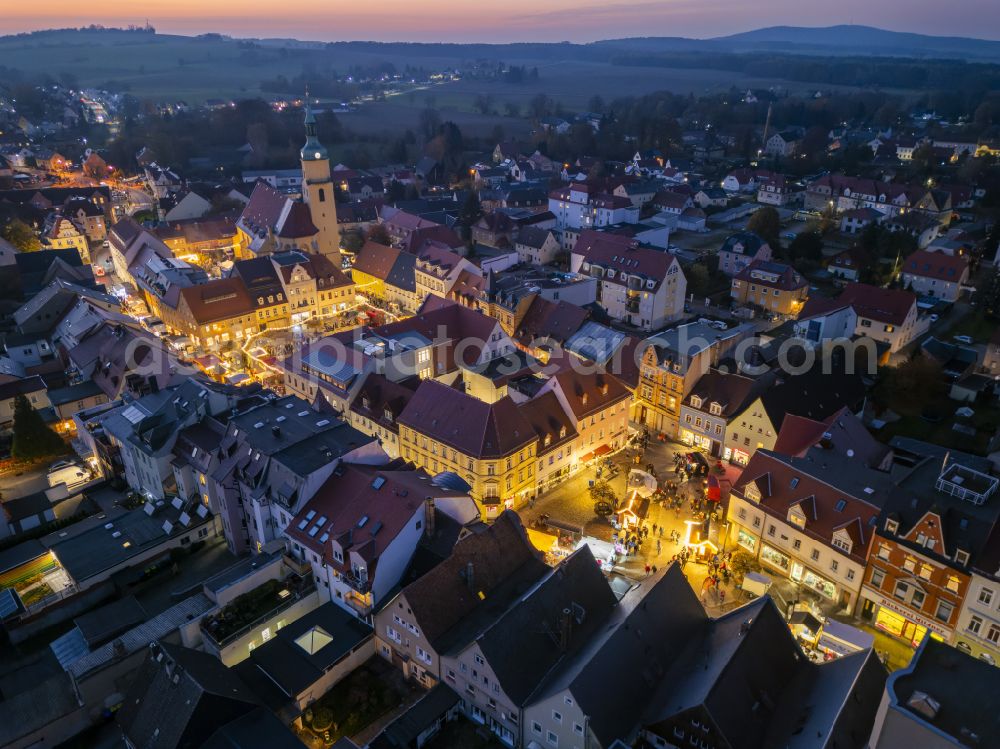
<point x="698" y="279"/>
<point x="766" y="223"/>
<point x="741" y="563"/>
<point x="378" y="233"/>
<point x="806" y="246"/>
<point x="909" y="386"/>
<point x="601" y="491"/>
<point x="22" y="236"/>
<point x="32" y="437"/>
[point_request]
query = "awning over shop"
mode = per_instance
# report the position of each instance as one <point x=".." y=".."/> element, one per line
<point x="843" y="638"/>
<point x="596" y="453"/>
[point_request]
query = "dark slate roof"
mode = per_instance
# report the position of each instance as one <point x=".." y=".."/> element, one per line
<point x="22" y="386"/>
<point x="404" y="731"/>
<point x="651" y="627"/>
<point x="103" y="623"/>
<point x="294" y="669"/>
<point x="966" y="688"/>
<point x="530" y="639"/>
<point x="254" y="730"/>
<point x="446" y="602"/>
<point x="161" y="713"/>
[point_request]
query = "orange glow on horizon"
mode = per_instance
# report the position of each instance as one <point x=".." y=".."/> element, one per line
<point x="514" y="20"/>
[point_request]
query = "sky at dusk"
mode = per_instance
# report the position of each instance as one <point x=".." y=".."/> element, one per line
<point x="509" y="20"/>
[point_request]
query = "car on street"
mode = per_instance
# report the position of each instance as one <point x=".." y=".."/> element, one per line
<point x="967" y="340"/>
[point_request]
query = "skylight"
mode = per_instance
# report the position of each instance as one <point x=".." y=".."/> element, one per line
<point x="314" y="640"/>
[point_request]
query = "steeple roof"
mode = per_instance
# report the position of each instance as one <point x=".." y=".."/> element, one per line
<point x="313" y="150"/>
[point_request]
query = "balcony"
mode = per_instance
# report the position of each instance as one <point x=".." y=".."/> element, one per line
<point x="361" y="603"/>
<point x="250" y="610"/>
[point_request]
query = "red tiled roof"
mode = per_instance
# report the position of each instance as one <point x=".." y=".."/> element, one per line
<point x="884" y="305"/>
<point x="548" y="418"/>
<point x="345" y="499"/>
<point x="589" y="393"/>
<point x="936" y="265"/>
<point x="465" y="423"/>
<point x="621" y="253"/>
<point x="785" y="482"/>
<point x="221" y="299"/>
<point x="376" y="260"/>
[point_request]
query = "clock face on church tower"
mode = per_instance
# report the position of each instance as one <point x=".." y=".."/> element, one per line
<point x="318" y="154"/>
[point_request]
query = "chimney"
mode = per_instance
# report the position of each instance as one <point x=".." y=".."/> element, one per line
<point x="565" y="629"/>
<point x="429" y="512"/>
<point x="276" y="431"/>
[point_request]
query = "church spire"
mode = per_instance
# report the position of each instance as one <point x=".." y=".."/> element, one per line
<point x="313" y="150"/>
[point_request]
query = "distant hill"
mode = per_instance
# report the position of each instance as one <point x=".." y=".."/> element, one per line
<point x="826" y="40"/>
<point x="854" y="39"/>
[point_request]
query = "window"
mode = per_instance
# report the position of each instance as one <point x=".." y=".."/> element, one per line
<point x="850" y="574"/>
<point x="578" y="729"/>
<point x="834" y="564"/>
<point x="944" y="611"/>
<point x="986" y="596"/>
<point x="842" y="544"/>
<point x="551" y="737"/>
<point x="975" y="624"/>
<point x="479" y="660"/>
<point x="952" y="584"/>
<point x="883" y="551"/>
<point x="557" y="716"/>
<point x="925" y="571"/>
<point x="770" y="530"/>
<point x="878" y="576"/>
<point x="917" y="601"/>
<point x="797" y="544"/>
<point x="536" y="727"/>
<point x="909" y="564"/>
<point x="901" y="590"/>
<point x="994" y="634"/>
<point x="815" y="554"/>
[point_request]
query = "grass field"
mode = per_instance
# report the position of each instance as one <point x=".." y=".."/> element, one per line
<point x="167" y="67"/>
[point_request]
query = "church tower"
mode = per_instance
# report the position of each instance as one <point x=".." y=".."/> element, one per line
<point x="318" y="191"/>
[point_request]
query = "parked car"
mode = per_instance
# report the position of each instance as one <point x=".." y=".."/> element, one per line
<point x="69" y="473"/>
<point x="967" y="340"/>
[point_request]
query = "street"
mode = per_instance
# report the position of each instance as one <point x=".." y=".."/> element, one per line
<point x="570" y="503"/>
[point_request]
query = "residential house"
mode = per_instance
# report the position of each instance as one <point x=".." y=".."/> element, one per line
<point x="671" y="363"/>
<point x="942" y="699"/>
<point x="930" y="533"/>
<point x="33" y="389"/>
<point x="889" y="316"/>
<point x="62" y="233"/>
<point x="376" y="408"/>
<point x="273" y="458"/>
<point x="783" y="144"/>
<point x="773" y="288"/>
<point x="978" y="629"/>
<point x="847" y="265"/>
<point x="437" y="269"/>
<point x="536" y="246"/>
<point x="446" y="608"/>
<point x="387" y="274"/>
<point x="490" y="446"/>
<point x="637" y="285"/>
<point x="774" y="190"/>
<point x="936" y="274"/>
<point x="582" y="205"/>
<point x="815" y="394"/>
<point x="809" y="518"/>
<point x="499" y="671"/>
<point x="856" y="220"/>
<point x="741" y="249"/>
<point x="360" y="529"/>
<point x="743" y="674"/>
<point x="715" y="399"/>
<point x="598" y="404"/>
<point x="181" y="697"/>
